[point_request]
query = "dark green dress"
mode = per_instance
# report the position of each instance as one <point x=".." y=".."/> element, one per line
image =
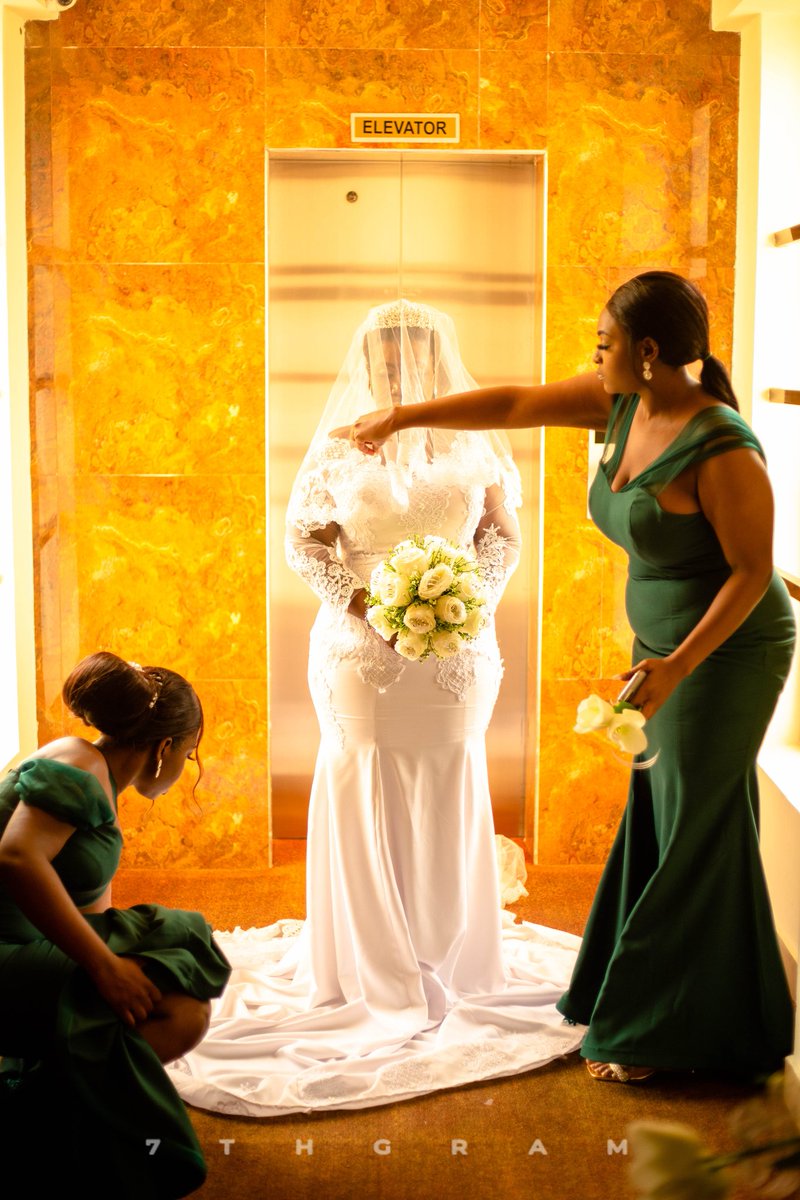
<point x="680" y="965"/>
<point x="123" y="1125"/>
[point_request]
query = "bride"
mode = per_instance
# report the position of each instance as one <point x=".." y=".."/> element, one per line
<point x="406" y="976"/>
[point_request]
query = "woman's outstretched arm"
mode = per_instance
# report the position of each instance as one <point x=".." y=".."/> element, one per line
<point x="578" y="403"/>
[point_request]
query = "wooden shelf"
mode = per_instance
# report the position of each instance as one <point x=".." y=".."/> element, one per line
<point x="784" y="236"/>
<point x="792" y="583"/>
<point x="782" y="396"/>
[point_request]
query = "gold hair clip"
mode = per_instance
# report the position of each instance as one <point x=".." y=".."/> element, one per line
<point x="158" y="682"/>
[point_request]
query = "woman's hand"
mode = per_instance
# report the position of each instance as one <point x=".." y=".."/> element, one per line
<point x="358" y="604"/>
<point x="662" y="676"/>
<point x="358" y="608"/>
<point x="124" y="986"/>
<point x="369" y="432"/>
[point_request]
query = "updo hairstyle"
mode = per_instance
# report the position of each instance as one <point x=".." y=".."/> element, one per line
<point x="673" y="312"/>
<point x="134" y="705"/>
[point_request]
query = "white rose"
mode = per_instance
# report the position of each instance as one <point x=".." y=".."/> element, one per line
<point x="376" y="615"/>
<point x="626" y="731"/>
<point x="411" y="645"/>
<point x="375" y="579"/>
<point x="435" y="581"/>
<point x="473" y="623"/>
<point x="419" y="618"/>
<point x="394" y="590"/>
<point x="445" y="643"/>
<point x="593" y="713"/>
<point x="469" y="586"/>
<point x="409" y="559"/>
<point x="450" y="610"/>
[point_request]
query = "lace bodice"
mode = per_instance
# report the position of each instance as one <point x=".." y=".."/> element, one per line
<point x="356" y="509"/>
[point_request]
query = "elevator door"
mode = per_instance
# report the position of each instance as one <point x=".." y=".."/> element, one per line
<point x="347" y="231"/>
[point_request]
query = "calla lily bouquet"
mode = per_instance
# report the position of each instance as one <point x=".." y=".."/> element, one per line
<point x="622" y="722"/>
<point x="670" y="1162"/>
<point x="428" y="593"/>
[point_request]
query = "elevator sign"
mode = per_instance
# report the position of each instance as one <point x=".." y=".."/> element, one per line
<point x="405" y="127"/>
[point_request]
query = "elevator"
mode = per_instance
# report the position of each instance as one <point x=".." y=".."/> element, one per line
<point x="347" y="230"/>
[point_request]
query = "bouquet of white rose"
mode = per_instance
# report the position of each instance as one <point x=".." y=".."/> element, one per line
<point x="429" y="594"/>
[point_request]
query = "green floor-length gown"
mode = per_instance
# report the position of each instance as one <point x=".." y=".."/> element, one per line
<point x="680" y="964"/>
<point x="93" y="1105"/>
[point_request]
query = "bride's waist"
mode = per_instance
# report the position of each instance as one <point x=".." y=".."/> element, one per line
<point x="362" y="563"/>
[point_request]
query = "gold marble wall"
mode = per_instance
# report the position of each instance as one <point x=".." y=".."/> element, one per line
<point x="147" y="129"/>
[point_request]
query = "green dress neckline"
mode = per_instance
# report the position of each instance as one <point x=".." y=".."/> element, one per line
<point x="710" y="431"/>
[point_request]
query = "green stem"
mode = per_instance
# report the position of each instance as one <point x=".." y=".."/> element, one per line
<point x="717" y="1163"/>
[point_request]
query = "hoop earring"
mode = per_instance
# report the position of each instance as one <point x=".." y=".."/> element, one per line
<point x="647" y="374"/>
<point x="158" y="769"/>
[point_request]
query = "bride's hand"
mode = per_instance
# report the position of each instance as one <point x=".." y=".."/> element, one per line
<point x="369" y="432"/>
<point x="358" y="604"/>
<point x="358" y="608"/>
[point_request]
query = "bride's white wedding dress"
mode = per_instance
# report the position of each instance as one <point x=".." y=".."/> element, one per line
<point x="406" y="976"/>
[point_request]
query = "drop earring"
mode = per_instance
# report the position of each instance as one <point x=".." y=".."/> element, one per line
<point x="647" y="374"/>
<point x="158" y="768"/>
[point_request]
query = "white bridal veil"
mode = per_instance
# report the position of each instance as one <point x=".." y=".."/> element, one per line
<point x="402" y="353"/>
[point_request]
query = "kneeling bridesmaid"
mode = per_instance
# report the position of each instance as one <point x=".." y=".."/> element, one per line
<point x="93" y="999"/>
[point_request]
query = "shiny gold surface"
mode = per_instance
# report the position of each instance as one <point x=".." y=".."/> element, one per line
<point x="311" y="93"/>
<point x="146" y="133"/>
<point x="162" y="23"/>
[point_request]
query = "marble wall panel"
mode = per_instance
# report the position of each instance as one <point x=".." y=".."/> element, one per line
<point x="311" y="93"/>
<point x="169" y="567"/>
<point x="582" y="785"/>
<point x="372" y="24"/>
<point x="504" y="23"/>
<point x="226" y="822"/>
<point x="41" y="358"/>
<point x="576" y="295"/>
<point x="616" y="636"/>
<point x="513" y="112"/>
<point x="47" y="595"/>
<point x="568" y="457"/>
<point x="159" y="155"/>
<point x="636" y="174"/>
<point x="164" y="368"/>
<point x="163" y="23"/>
<point x="637" y="27"/>
<point x="38" y="147"/>
<point x="571" y="585"/>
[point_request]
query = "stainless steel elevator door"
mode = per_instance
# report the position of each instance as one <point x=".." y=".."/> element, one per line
<point x="346" y="231"/>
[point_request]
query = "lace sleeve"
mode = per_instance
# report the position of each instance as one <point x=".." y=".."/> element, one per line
<point x="497" y="545"/>
<point x="313" y="557"/>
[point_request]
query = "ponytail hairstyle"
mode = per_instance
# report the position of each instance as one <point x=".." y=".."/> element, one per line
<point x="133" y="705"/>
<point x="672" y="311"/>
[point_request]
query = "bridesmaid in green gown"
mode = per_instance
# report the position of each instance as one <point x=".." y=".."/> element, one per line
<point x="680" y="966"/>
<point x="93" y="999"/>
